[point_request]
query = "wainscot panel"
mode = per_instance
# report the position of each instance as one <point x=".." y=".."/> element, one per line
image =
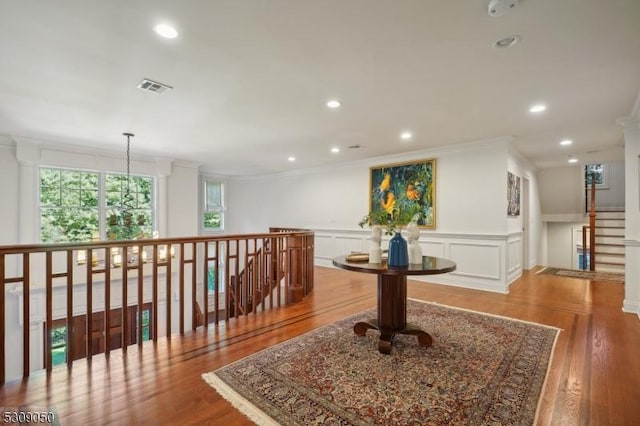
<point x="481" y="259"/>
<point x="514" y="257"/>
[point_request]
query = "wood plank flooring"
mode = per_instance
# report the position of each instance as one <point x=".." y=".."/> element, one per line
<point x="594" y="379"/>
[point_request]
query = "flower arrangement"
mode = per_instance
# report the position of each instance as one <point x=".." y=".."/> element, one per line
<point x="390" y="222"/>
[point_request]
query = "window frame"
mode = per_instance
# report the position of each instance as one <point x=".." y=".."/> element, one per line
<point x="102" y="197"/>
<point x="604" y="175"/>
<point x="204" y="180"/>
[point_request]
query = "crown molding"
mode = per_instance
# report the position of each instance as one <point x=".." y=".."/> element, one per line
<point x="444" y="150"/>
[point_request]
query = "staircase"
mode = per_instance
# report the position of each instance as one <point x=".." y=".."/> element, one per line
<point x="609" y="246"/>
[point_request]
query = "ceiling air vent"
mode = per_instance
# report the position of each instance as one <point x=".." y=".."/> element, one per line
<point x="153" y="86"/>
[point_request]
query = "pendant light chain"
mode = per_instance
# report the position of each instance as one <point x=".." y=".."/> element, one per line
<point x="127" y="214"/>
<point x="128" y="166"/>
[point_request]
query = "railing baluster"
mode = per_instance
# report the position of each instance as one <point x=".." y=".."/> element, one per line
<point x="227" y="281"/>
<point x="89" y="324"/>
<point x="216" y="279"/>
<point x="69" y="276"/>
<point x="124" y="321"/>
<point x="140" y="295"/>
<point x="194" y="272"/>
<point x="181" y="288"/>
<point x="2" y="314"/>
<point x="240" y="304"/>
<point x="168" y="292"/>
<point x="279" y="259"/>
<point x="154" y="303"/>
<point x="49" y="312"/>
<point x="107" y="300"/>
<point x="205" y="284"/>
<point x="255" y="270"/>
<point x="26" y="318"/>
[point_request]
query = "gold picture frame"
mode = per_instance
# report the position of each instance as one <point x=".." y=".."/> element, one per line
<point x="404" y="191"/>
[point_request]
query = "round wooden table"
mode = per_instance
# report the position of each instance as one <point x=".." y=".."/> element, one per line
<point x="392" y="297"/>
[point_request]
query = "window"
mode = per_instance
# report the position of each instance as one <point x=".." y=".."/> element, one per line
<point x="79" y="205"/>
<point x="59" y="345"/>
<point x="597" y="173"/>
<point x="213" y="205"/>
<point x="137" y="218"/>
<point x="69" y="208"/>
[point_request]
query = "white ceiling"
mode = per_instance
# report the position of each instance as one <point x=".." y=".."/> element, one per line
<point x="251" y="77"/>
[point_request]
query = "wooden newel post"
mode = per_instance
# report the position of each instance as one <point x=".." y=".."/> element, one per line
<point x="296" y="291"/>
<point x="592" y="226"/>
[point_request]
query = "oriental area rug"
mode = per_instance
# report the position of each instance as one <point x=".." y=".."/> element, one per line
<point x="481" y="369"/>
<point x="585" y="275"/>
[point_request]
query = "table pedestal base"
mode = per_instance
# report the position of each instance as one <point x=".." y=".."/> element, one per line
<point x="387" y="335"/>
<point x="392" y="314"/>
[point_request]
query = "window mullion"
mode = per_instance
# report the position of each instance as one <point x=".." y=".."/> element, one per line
<point x="102" y="206"/>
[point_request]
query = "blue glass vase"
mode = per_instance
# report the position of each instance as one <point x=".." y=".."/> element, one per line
<point x="398" y="253"/>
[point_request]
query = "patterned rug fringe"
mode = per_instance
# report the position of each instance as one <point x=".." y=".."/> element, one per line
<point x="252" y="412"/>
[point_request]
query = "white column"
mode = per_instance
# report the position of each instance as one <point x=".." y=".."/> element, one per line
<point x="27" y="155"/>
<point x="164" y="169"/>
<point x="631" y="126"/>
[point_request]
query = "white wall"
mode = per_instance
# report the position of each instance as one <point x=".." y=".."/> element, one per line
<point x="182" y="203"/>
<point x="562" y="191"/>
<point x="8" y="192"/>
<point x="332" y="197"/>
<point x="470" y="193"/>
<point x="472" y="226"/>
<point x="562" y="241"/>
<point x="611" y="196"/>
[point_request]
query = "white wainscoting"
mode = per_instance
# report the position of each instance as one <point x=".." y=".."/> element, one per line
<point x="631" y="302"/>
<point x="484" y="262"/>
<point x="514" y="257"/>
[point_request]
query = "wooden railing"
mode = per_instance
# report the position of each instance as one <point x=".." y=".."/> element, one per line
<point x="60" y="282"/>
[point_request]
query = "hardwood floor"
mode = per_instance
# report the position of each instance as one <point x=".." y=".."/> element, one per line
<point x="594" y="379"/>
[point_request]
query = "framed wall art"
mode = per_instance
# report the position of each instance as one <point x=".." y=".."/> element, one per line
<point x="404" y="191"/>
<point x="513" y="194"/>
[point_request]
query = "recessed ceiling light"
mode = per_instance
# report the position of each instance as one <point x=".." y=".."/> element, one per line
<point x="166" y="31"/>
<point x="406" y="136"/>
<point x="566" y="142"/>
<point x="538" y="108"/>
<point x="334" y="103"/>
<point x="506" y="42"/>
<point x="573" y="160"/>
<point x="291" y="159"/>
<point x="335" y="150"/>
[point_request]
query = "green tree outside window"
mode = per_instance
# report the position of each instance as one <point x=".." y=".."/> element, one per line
<point x="71" y="201"/>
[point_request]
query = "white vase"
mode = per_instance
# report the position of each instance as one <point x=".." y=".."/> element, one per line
<point x="375" y="251"/>
<point x="415" y="250"/>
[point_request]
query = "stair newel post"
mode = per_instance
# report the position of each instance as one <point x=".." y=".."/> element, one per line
<point x="592" y="225"/>
<point x="294" y="247"/>
<point x="584" y="247"/>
